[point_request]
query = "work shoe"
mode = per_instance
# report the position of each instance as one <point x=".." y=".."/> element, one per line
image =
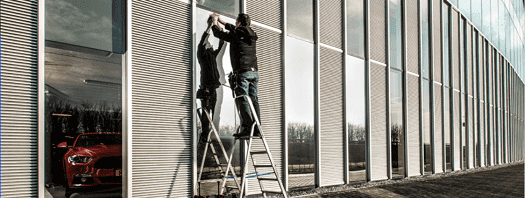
<point x="246" y="133"/>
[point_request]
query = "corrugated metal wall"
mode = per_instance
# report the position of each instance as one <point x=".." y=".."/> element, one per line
<point x="437" y="36"/>
<point x="331" y="82"/>
<point x="331" y="24"/>
<point x="457" y="128"/>
<point x="438" y="128"/>
<point x="413" y="111"/>
<point x="271" y="86"/>
<point x="377" y="30"/>
<point x="19" y="102"/>
<point x="161" y="99"/>
<point x="269" y="52"/>
<point x="455" y="50"/>
<point x="378" y="113"/>
<point x="414" y="152"/>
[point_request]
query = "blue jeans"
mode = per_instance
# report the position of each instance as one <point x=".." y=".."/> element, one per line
<point x="247" y="85"/>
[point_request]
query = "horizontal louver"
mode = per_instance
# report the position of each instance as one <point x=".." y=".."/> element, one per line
<point x="378" y="127"/>
<point x="271" y="105"/>
<point x="377" y="30"/>
<point x="19" y="71"/>
<point x="331" y="23"/>
<point x="161" y="171"/>
<point x="438" y="128"/>
<point x="413" y="132"/>
<point x="267" y="12"/>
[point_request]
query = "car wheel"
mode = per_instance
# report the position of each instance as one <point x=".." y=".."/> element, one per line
<point x="69" y="192"/>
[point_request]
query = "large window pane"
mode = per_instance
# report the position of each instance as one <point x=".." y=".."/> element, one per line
<point x="486" y="18"/>
<point x="396" y="48"/>
<point x="229" y="7"/>
<point x="448" y="133"/>
<point x="464" y="6"/>
<point x="300" y="112"/>
<point x="355" y="113"/>
<point x="425" y="39"/>
<point x="446" y="46"/>
<point x="83" y="97"/>
<point x="494" y="22"/>
<point x="476" y="12"/>
<point x="222" y="111"/>
<point x="397" y="126"/>
<point x="355" y="24"/>
<point x="426" y="127"/>
<point x="300" y="18"/>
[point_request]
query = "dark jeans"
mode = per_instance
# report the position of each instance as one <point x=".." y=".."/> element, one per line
<point x="247" y="85"/>
<point x="208" y="104"/>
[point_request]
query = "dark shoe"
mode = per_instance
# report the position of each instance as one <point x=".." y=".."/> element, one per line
<point x="203" y="138"/>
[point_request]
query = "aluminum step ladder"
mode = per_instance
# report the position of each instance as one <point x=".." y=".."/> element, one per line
<point x="251" y="155"/>
<point x="216" y="156"/>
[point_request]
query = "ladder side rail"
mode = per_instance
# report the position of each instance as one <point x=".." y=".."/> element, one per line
<point x="216" y="133"/>
<point x="266" y="146"/>
<point x="243" y="179"/>
<point x="223" y="186"/>
<point x="205" y="151"/>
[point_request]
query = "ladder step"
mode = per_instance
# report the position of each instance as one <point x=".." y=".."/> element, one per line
<point x="271" y="191"/>
<point x="258" y="152"/>
<point x="263" y="166"/>
<point x="232" y="187"/>
<point x="267" y="179"/>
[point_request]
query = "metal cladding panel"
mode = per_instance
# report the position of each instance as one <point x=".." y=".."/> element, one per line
<point x="331" y="23"/>
<point x="492" y="138"/>
<point x="436" y="24"/>
<point x="331" y="85"/>
<point x="457" y="128"/>
<point x="455" y="50"/>
<point x="377" y="30"/>
<point x="267" y="12"/>
<point x="482" y="133"/>
<point x="470" y="135"/>
<point x="469" y="59"/>
<point x="438" y="128"/>
<point x="413" y="123"/>
<point x="378" y="126"/>
<point x="269" y="53"/>
<point x="412" y="30"/>
<point x="19" y="102"/>
<point x="166" y="171"/>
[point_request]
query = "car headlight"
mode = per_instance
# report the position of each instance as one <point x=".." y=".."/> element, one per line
<point x="78" y="159"/>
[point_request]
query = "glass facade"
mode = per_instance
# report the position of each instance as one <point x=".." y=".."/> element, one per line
<point x="355" y="25"/>
<point x="300" y="112"/>
<point x="355" y="113"/>
<point x="85" y="54"/>
<point x="84" y="48"/>
<point x="300" y="18"/>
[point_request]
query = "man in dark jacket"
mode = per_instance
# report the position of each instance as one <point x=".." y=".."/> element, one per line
<point x="209" y="78"/>
<point x="244" y="63"/>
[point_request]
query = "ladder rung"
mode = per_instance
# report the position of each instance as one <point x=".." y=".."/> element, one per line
<point x="258" y="152"/>
<point x="268" y="179"/>
<point x="271" y="191"/>
<point x="263" y="166"/>
<point x="232" y="187"/>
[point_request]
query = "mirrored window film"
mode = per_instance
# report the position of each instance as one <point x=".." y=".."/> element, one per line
<point x="213" y="66"/>
<point x="84" y="49"/>
<point x="300" y="18"/>
<point x="397" y="127"/>
<point x="355" y="113"/>
<point x="228" y="7"/>
<point x="300" y="112"/>
<point x="355" y="25"/>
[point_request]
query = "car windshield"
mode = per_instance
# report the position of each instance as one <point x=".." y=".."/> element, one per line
<point x="99" y="139"/>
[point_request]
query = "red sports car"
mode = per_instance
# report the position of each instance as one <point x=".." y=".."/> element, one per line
<point x="95" y="159"/>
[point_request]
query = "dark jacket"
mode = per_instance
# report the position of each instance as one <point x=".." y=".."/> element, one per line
<point x="242" y="50"/>
<point x="208" y="62"/>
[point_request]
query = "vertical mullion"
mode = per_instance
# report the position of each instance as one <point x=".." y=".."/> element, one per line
<point x="405" y="102"/>
<point x="284" y="30"/>
<point x="317" y="91"/>
<point x="388" y="106"/>
<point x="127" y="147"/>
<point x="41" y="161"/>
<point x="368" y="147"/>
<point x="345" y="117"/>
<point x="421" y="99"/>
<point x="443" y="65"/>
